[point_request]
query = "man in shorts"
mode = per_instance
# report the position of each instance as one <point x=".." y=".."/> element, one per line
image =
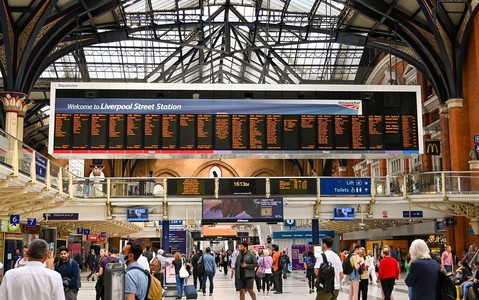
<point x="246" y="263"/>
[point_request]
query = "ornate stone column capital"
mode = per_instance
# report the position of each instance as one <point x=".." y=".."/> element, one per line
<point x="14" y="101"/>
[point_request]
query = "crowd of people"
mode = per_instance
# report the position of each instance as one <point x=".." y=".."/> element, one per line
<point x="264" y="269"/>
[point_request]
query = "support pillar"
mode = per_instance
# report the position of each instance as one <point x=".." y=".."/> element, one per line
<point x="13" y="103"/>
<point x="165" y="244"/>
<point x="315" y="231"/>
<point x="445" y="143"/>
<point x="459" y="146"/>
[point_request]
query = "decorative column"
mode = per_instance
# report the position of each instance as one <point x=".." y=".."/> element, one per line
<point x="13" y="102"/>
<point x="315" y="231"/>
<point x="21" y="117"/>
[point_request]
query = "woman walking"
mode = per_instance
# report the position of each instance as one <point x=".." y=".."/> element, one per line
<point x="388" y="273"/>
<point x="177" y="263"/>
<point x="309" y="262"/>
<point x="266" y="261"/>
<point x="372" y="268"/>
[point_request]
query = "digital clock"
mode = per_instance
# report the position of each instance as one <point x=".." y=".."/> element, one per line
<point x="249" y="186"/>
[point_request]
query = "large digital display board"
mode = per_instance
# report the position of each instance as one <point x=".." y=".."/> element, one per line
<point x="160" y="120"/>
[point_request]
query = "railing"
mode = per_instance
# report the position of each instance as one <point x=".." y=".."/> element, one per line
<point x="22" y="160"/>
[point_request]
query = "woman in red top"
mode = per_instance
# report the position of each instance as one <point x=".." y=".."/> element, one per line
<point x="388" y="273"/>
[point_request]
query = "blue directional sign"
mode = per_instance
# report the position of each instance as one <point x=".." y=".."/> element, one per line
<point x="31" y="222"/>
<point x="86" y="231"/>
<point x="172" y="222"/>
<point x="103" y="234"/>
<point x="342" y="186"/>
<point x="412" y="214"/>
<point x="14" y="219"/>
<point x="79" y="230"/>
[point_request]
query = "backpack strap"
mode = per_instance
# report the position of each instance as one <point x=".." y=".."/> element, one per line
<point x="325" y="259"/>
<point x="149" y="278"/>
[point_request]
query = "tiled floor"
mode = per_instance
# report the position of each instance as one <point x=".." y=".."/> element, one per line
<point x="295" y="287"/>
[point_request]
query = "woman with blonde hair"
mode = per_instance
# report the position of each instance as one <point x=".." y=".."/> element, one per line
<point x="388" y="273"/>
<point x="372" y="267"/>
<point x="177" y="263"/>
<point x="423" y="273"/>
<point x="266" y="261"/>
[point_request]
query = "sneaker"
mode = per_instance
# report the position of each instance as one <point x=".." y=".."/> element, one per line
<point x="204" y="294"/>
<point x="211" y="294"/>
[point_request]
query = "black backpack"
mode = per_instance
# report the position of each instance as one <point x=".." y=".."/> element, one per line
<point x="347" y="267"/>
<point x="446" y="290"/>
<point x="325" y="281"/>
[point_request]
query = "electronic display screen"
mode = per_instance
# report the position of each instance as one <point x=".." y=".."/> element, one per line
<point x="343" y="213"/>
<point x="137" y="214"/>
<point x="190" y="186"/>
<point x="242" y="186"/>
<point x="330" y="122"/>
<point x="292" y="186"/>
<point x="242" y="210"/>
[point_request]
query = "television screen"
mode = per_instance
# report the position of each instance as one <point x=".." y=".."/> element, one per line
<point x="137" y="214"/>
<point x="242" y="210"/>
<point x="344" y="213"/>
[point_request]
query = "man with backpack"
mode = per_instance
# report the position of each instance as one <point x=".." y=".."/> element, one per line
<point x="70" y="273"/>
<point x="327" y="285"/>
<point x="284" y="261"/>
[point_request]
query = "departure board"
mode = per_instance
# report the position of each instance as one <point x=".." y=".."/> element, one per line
<point x="291" y="131"/>
<point x="239" y="132"/>
<point x="169" y="132"/>
<point x="99" y="131"/>
<point x="152" y="132"/>
<point x="187" y="131"/>
<point x="242" y="186"/>
<point x="80" y="132"/>
<point x="63" y="125"/>
<point x="222" y="132"/>
<point x="191" y="186"/>
<point x="204" y="132"/>
<point x="274" y="132"/>
<point x="134" y="128"/>
<point x="116" y="131"/>
<point x="257" y="132"/>
<point x="292" y="186"/>
<point x="367" y="122"/>
<point x="308" y="132"/>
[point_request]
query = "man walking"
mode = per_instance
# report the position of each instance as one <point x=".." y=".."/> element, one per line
<point x="70" y="273"/>
<point x="277" y="271"/>
<point x="335" y="261"/>
<point x="91" y="260"/>
<point x="197" y="274"/>
<point x="208" y="261"/>
<point x="136" y="281"/>
<point x="34" y="281"/>
<point x="246" y="264"/>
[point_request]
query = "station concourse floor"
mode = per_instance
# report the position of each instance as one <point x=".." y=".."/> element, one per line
<point x="295" y="287"/>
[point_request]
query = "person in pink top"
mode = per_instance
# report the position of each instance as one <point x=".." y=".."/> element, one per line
<point x="446" y="259"/>
<point x="266" y="261"/>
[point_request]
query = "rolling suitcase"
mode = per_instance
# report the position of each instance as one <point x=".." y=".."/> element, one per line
<point x="190" y="292"/>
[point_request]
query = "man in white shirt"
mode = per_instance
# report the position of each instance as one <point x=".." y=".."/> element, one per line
<point x="33" y="281"/>
<point x="334" y="259"/>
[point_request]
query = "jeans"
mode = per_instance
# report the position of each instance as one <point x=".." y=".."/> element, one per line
<point x="278" y="281"/>
<point x="210" y="276"/>
<point x="179" y="285"/>
<point x="465" y="288"/>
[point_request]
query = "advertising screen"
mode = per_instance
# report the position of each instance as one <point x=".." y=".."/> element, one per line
<point x="137" y="214"/>
<point x="343" y="213"/>
<point x="242" y="210"/>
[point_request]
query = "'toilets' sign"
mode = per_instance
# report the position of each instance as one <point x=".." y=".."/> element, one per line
<point x="354" y="186"/>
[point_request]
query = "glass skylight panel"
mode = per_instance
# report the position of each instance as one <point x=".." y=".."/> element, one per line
<point x="301" y="6"/>
<point x="272" y="4"/>
<point x="184" y="4"/>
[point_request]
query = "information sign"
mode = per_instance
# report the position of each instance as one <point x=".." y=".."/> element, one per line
<point x="353" y="186"/>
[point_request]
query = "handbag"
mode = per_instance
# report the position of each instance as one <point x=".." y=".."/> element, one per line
<point x="183" y="272"/>
<point x="260" y="271"/>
